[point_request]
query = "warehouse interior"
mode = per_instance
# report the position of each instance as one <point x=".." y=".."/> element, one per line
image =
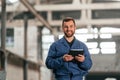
<point x="29" y="27"/>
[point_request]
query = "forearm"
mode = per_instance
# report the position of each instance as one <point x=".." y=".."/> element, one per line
<point x="52" y="63"/>
<point x="86" y="65"/>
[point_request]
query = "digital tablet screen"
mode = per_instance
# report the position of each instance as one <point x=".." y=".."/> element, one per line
<point x="75" y="52"/>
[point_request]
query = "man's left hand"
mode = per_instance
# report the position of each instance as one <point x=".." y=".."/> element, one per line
<point x="80" y="58"/>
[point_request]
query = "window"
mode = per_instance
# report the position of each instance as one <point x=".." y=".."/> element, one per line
<point x="57" y="15"/>
<point x="106" y="14"/>
<point x="9" y="37"/>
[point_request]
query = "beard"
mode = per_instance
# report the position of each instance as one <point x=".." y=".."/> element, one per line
<point x="69" y="34"/>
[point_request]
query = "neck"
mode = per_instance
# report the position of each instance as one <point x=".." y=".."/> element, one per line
<point x="69" y="39"/>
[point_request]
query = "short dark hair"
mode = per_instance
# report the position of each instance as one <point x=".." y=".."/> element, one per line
<point x="68" y="19"/>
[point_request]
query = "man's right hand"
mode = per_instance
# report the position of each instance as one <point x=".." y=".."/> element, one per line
<point x="67" y="57"/>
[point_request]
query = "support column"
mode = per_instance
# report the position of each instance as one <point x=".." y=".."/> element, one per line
<point x="3" y="55"/>
<point x="89" y="13"/>
<point x="49" y="16"/>
<point x="40" y="48"/>
<point x="83" y="11"/>
<point x="56" y="37"/>
<point x="25" y="63"/>
<point x="56" y="30"/>
<point x="117" y="63"/>
<point x="99" y="40"/>
<point x="3" y="29"/>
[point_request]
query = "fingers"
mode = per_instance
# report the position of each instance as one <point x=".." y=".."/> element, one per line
<point x="80" y="55"/>
<point x="80" y="58"/>
<point x="67" y="57"/>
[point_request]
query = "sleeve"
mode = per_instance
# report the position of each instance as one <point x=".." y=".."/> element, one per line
<point x="53" y="62"/>
<point x="87" y="64"/>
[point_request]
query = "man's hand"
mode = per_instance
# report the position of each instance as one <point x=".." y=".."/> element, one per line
<point x="67" y="57"/>
<point x="80" y="58"/>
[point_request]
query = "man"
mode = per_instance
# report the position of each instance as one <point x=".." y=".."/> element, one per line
<point x="65" y="66"/>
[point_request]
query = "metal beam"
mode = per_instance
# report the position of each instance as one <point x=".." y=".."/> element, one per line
<point x="79" y="22"/>
<point x="67" y="7"/>
<point x="38" y="16"/>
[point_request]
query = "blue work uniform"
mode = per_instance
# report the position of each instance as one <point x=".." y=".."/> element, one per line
<point x="72" y="70"/>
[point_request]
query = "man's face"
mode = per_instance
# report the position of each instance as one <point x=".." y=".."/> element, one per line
<point x="69" y="28"/>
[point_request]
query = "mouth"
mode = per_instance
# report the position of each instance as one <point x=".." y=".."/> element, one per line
<point x="69" y="31"/>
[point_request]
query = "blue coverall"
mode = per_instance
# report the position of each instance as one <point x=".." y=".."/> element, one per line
<point x="72" y="70"/>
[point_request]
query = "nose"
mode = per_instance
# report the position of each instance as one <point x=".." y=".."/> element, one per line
<point x="68" y="28"/>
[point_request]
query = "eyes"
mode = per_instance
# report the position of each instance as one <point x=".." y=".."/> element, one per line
<point x="68" y="26"/>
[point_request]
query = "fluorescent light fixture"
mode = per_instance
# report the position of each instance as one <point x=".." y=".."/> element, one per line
<point x="89" y="36"/>
<point x="81" y="30"/>
<point x="107" y="45"/>
<point x="81" y="38"/>
<point x="92" y="44"/>
<point x="85" y="30"/>
<point x="105" y="36"/>
<point x="108" y="51"/>
<point x="94" y="51"/>
<point x="110" y="30"/>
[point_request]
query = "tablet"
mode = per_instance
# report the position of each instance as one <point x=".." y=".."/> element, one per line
<point x="75" y="52"/>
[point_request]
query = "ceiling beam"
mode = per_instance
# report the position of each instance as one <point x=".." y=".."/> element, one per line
<point x="38" y="16"/>
<point x="79" y="22"/>
<point x="67" y="7"/>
